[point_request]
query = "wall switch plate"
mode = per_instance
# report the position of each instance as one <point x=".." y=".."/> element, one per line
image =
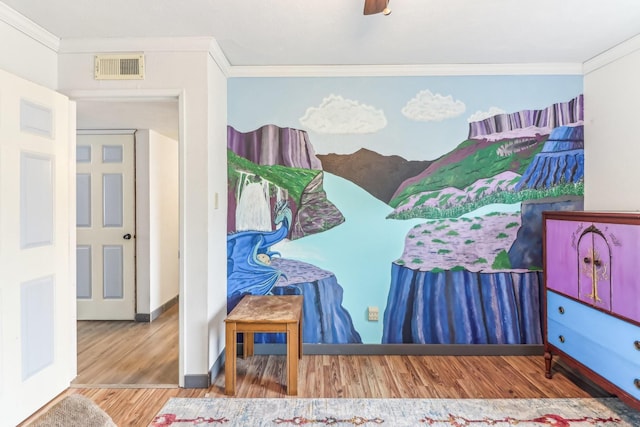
<point x="373" y="313"/>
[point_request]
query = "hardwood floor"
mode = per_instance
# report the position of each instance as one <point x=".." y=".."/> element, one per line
<point x="125" y="352"/>
<point x="330" y="376"/>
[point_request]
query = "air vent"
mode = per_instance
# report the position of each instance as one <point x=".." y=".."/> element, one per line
<point x="119" y="67"/>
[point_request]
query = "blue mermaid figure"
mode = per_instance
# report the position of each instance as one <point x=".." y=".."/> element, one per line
<point x="249" y="269"/>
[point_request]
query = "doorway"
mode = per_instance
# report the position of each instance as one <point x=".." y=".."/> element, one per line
<point x="127" y="353"/>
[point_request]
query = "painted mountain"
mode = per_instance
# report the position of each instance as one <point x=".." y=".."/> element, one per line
<point x="487" y="168"/>
<point x="365" y="167"/>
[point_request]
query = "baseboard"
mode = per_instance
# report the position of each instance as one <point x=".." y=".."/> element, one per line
<point x="407" y="349"/>
<point x="143" y="317"/>
<point x="146" y="317"/>
<point x="197" y="381"/>
<point x="217" y="367"/>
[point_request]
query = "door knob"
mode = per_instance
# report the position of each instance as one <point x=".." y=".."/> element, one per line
<point x="127" y="236"/>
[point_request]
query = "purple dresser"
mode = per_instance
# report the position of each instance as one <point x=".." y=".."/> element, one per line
<point x="592" y="297"/>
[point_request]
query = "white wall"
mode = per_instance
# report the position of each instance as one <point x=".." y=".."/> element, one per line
<point x="612" y="146"/>
<point x="173" y="66"/>
<point x="20" y="52"/>
<point x="217" y="210"/>
<point x="157" y="220"/>
<point x="164" y="219"/>
<point x="143" y="227"/>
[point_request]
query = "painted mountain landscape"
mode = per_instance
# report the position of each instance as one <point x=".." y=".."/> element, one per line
<point x="465" y="228"/>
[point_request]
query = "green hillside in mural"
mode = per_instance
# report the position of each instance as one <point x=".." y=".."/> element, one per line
<point x="294" y="180"/>
<point x="475" y="174"/>
<point x="469" y="161"/>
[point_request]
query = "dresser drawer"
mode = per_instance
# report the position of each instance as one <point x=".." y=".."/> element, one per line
<point x="614" y="334"/>
<point x="619" y="370"/>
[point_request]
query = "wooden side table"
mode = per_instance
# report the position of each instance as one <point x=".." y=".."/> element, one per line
<point x="264" y="313"/>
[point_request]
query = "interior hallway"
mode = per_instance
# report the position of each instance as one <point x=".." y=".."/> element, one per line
<point x="126" y="353"/>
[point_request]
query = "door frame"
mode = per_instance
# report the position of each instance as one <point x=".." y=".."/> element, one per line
<point x="138" y="95"/>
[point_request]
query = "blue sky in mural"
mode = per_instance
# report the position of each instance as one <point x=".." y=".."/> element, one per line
<point x="418" y="118"/>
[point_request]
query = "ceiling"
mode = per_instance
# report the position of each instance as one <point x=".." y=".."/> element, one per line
<point x="332" y="32"/>
<point x="161" y="116"/>
<point x="335" y="32"/>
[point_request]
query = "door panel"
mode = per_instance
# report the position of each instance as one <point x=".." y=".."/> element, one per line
<point x="83" y="273"/>
<point x="37" y="306"/>
<point x="562" y="274"/>
<point x="105" y="215"/>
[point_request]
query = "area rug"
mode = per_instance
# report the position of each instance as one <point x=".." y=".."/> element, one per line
<point x="74" y="410"/>
<point x="605" y="412"/>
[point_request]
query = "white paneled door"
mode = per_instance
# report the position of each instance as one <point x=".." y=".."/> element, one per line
<point x="37" y="239"/>
<point x="105" y="220"/>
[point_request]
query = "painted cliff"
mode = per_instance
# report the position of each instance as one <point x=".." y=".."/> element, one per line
<point x="274" y="145"/>
<point x="463" y="307"/>
<point x="529" y="122"/>
<point x="561" y="160"/>
<point x="325" y="320"/>
<point x="472" y="276"/>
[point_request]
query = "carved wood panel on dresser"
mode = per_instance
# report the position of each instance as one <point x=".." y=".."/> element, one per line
<point x="592" y="297"/>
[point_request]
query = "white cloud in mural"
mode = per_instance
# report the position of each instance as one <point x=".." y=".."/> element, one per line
<point x="337" y="115"/>
<point x="481" y="115"/>
<point x="430" y="107"/>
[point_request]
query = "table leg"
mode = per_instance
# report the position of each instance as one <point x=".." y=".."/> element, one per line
<point x="292" y="358"/>
<point x="300" y="339"/>
<point x="247" y="345"/>
<point x="230" y="359"/>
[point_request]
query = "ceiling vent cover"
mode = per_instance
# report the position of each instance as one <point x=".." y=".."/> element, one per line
<point x="119" y="67"/>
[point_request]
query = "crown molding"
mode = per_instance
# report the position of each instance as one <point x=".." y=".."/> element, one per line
<point x="219" y="57"/>
<point x="406" y="70"/>
<point x="28" y="27"/>
<point x="136" y="44"/>
<point x="607" y="57"/>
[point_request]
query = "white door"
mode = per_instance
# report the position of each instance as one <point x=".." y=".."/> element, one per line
<point x="37" y="281"/>
<point x="105" y="220"/>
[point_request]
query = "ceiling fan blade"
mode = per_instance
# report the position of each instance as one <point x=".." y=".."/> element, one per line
<point x="372" y="7"/>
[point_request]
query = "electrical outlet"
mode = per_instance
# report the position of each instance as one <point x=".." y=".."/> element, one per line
<point x="373" y="313"/>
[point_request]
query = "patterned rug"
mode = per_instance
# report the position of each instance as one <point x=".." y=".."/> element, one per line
<point x="605" y="412"/>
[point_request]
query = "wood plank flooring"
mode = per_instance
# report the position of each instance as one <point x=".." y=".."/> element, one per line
<point x="126" y="352"/>
<point x="330" y="376"/>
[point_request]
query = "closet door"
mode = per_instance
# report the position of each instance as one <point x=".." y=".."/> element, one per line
<point x="37" y="247"/>
<point x="105" y="217"/>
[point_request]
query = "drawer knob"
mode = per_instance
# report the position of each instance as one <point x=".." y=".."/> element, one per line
<point x="561" y="338"/>
<point x="561" y="310"/>
<point x="636" y="382"/>
<point x="587" y="260"/>
<point x="636" y="344"/>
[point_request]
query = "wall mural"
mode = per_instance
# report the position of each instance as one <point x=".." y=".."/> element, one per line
<point x="392" y="193"/>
